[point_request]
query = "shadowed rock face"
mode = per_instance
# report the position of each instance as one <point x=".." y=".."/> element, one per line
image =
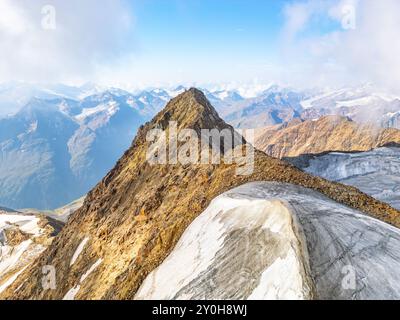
<point x="269" y="240"/>
<point x="135" y="216"/>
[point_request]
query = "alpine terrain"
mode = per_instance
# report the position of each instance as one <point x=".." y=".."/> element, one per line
<point x="123" y="242"/>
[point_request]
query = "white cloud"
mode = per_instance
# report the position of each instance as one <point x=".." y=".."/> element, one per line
<point x="94" y="41"/>
<point x="371" y="51"/>
<point x="297" y="15"/>
<point x="368" y="53"/>
<point x="12" y="20"/>
<point x="87" y="33"/>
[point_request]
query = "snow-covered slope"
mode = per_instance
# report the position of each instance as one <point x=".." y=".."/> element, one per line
<point x="22" y="238"/>
<point x="15" y="95"/>
<point x="375" y="172"/>
<point x="362" y="104"/>
<point x="267" y="240"/>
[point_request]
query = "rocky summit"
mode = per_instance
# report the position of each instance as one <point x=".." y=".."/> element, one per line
<point x="132" y="220"/>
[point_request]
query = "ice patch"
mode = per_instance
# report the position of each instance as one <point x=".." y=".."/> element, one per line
<point x="91" y="269"/>
<point x="9" y="256"/>
<point x="110" y="108"/>
<point x="78" y="251"/>
<point x="10" y="281"/>
<point x="70" y="295"/>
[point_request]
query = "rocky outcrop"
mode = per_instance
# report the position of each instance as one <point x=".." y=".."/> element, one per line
<point x="329" y="133"/>
<point x="23" y="237"/>
<point x="269" y="240"/>
<point x="133" y="218"/>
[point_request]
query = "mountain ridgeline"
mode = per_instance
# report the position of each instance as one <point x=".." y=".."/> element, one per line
<point x="133" y="218"/>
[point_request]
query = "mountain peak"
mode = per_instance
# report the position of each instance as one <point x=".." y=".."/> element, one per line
<point x="195" y="94"/>
<point x="190" y="109"/>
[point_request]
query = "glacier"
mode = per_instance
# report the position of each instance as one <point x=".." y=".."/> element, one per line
<point x="375" y="172"/>
<point x="269" y="240"/>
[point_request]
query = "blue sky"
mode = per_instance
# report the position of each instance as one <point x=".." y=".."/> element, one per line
<point x="227" y="25"/>
<point x="204" y="40"/>
<point x="221" y="34"/>
<point x="140" y="43"/>
<point x="230" y="26"/>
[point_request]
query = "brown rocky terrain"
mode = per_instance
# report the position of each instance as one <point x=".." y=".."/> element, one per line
<point x="329" y="133"/>
<point x="133" y="218"/>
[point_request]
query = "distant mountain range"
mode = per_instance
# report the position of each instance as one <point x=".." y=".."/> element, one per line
<point x="53" y="151"/>
<point x="58" y="141"/>
<point x="362" y="104"/>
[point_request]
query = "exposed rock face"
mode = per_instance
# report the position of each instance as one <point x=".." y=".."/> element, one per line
<point x="134" y="217"/>
<point x="329" y="133"/>
<point x="22" y="238"/>
<point x="375" y="172"/>
<point x="270" y="240"/>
